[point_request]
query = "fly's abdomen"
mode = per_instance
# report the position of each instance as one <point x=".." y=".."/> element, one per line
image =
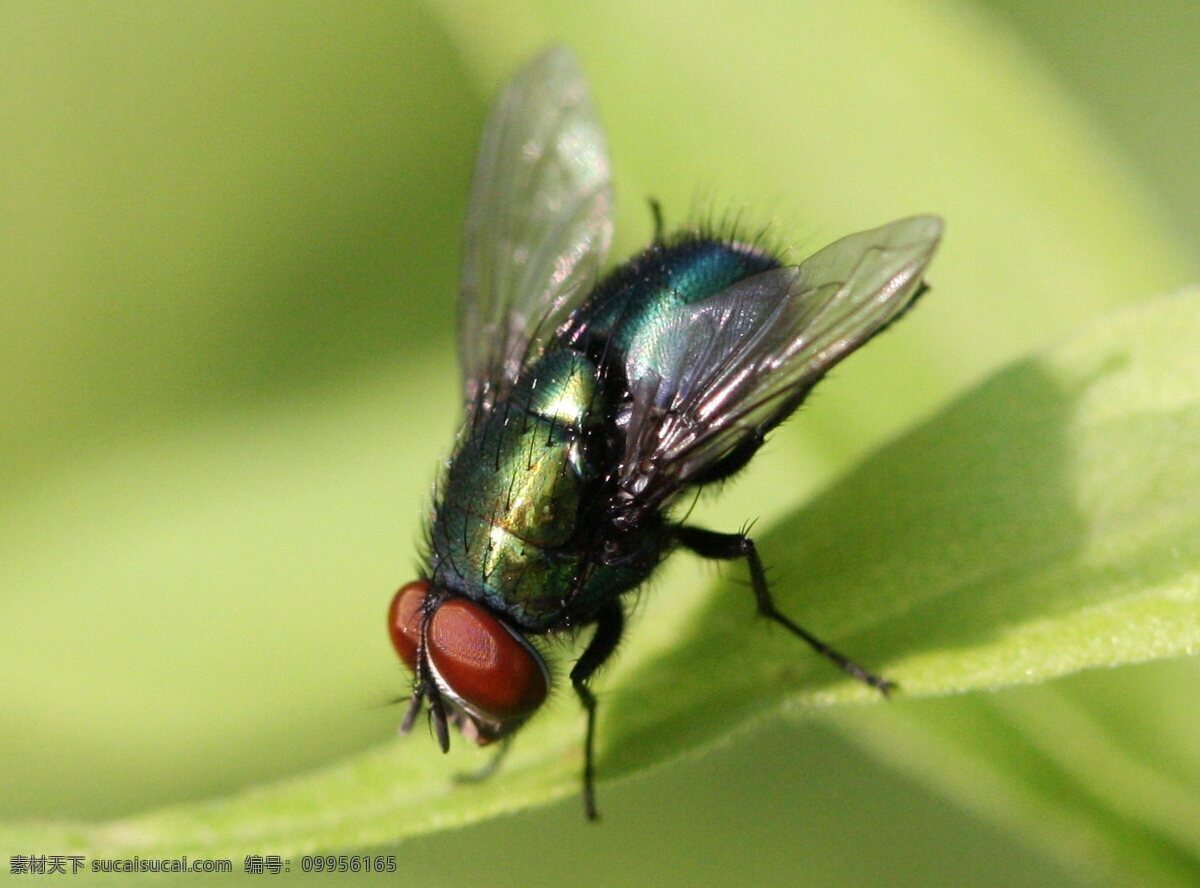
<point x="507" y="530"/>
<point x="636" y="295"/>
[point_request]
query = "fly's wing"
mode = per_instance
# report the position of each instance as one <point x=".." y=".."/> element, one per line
<point x="709" y="377"/>
<point x="539" y="222"/>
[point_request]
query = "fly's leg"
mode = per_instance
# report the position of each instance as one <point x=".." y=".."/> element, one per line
<point x="610" y="622"/>
<point x="730" y="546"/>
<point x="657" y="213"/>
<point x="490" y="768"/>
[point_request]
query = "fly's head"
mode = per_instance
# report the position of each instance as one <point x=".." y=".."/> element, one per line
<point x="475" y="670"/>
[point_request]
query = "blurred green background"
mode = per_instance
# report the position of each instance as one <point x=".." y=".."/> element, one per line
<point x="228" y="249"/>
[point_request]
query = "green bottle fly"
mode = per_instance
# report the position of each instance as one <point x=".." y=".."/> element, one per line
<point x="594" y="403"/>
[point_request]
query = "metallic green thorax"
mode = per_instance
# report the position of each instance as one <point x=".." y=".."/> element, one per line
<point x="511" y="504"/>
<point x="521" y="522"/>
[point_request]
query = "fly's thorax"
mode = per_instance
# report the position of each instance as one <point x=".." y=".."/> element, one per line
<point x="507" y="528"/>
<point x="562" y="388"/>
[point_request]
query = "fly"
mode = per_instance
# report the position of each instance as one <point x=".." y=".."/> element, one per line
<point x="591" y="408"/>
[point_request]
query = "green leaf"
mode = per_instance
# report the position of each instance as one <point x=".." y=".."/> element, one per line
<point x="1042" y="524"/>
<point x="1087" y="769"/>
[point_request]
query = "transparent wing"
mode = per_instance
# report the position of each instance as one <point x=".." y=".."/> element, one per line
<point x="539" y="223"/>
<point x="713" y="376"/>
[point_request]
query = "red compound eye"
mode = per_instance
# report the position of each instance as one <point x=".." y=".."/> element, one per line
<point x="404" y="620"/>
<point x="490" y="668"/>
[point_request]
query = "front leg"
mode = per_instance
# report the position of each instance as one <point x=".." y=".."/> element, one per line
<point x="610" y="623"/>
<point x="491" y="767"/>
<point x="728" y="546"/>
